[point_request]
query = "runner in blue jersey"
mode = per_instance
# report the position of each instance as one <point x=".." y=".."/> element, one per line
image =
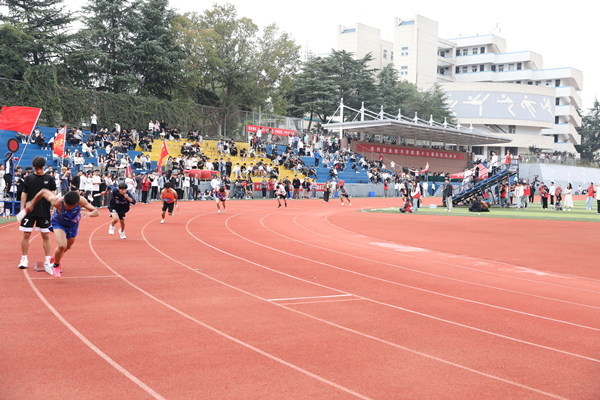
<point x="65" y="220"/>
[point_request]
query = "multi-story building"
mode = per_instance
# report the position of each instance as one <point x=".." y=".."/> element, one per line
<point x="505" y="93"/>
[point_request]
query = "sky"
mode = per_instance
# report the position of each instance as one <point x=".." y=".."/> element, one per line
<point x="556" y="30"/>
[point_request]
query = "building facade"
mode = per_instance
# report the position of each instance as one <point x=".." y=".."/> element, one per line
<point x="498" y="92"/>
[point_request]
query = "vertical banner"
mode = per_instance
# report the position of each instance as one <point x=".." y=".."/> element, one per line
<point x="59" y="142"/>
<point x="163" y="153"/>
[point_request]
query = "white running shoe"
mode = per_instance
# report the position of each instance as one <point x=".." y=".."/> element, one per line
<point x="162" y="221"/>
<point x="111" y="230"/>
<point x="48" y="265"/>
<point x="122" y="234"/>
<point x="23" y="263"/>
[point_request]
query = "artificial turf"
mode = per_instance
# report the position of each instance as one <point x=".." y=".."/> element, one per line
<point x="535" y="211"/>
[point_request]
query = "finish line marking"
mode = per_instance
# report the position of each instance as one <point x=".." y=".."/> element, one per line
<point x="314" y="297"/>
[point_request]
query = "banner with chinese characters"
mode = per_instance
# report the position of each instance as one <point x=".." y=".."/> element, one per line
<point x="258" y="187"/>
<point x="414" y="152"/>
<point x="266" y="130"/>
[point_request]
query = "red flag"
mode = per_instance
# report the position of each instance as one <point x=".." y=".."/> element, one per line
<point x="483" y="172"/>
<point x="420" y="172"/>
<point x="59" y="142"/>
<point x="19" y="119"/>
<point x="129" y="171"/>
<point x="163" y="153"/>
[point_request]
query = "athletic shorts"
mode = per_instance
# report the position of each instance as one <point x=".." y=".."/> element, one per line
<point x="168" y="207"/>
<point x="282" y="196"/>
<point x="221" y="199"/>
<point x="41" y="224"/>
<point x="345" y="195"/>
<point x="121" y="215"/>
<point x="70" y="230"/>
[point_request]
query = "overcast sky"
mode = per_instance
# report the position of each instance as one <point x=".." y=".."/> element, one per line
<point x="560" y="32"/>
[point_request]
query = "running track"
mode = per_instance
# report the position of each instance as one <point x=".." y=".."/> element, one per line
<point x="313" y="301"/>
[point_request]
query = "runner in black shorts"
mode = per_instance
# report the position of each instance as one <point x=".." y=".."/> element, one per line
<point x="39" y="217"/>
<point x="169" y="198"/>
<point x="344" y="193"/>
<point x="119" y="206"/>
<point x="281" y="194"/>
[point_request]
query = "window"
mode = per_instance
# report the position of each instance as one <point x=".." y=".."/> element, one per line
<point x="557" y="83"/>
<point x="404" y="70"/>
<point x="403" y="51"/>
<point x="537" y="83"/>
<point x="511" y="67"/>
<point x="475" y="50"/>
<point x="500" y="67"/>
<point x="385" y="54"/>
<point x="557" y="101"/>
<point x="392" y="55"/>
<point x="457" y="52"/>
<point x="493" y="68"/>
<point x="519" y="66"/>
<point x="556" y="120"/>
<point x="465" y="70"/>
<point x="474" y="68"/>
<point x="458" y="70"/>
<point x="529" y="83"/>
<point x="482" y="50"/>
<point x="465" y="52"/>
<point x="478" y="150"/>
<point x="512" y="129"/>
<point x="482" y="67"/>
<point x="518" y="82"/>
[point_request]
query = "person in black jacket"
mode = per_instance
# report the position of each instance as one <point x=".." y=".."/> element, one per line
<point x="448" y="195"/>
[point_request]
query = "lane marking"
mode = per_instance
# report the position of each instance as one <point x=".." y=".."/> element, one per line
<point x="321" y="302"/>
<point x="313" y="297"/>
<point x="75" y="277"/>
<point x="89" y="344"/>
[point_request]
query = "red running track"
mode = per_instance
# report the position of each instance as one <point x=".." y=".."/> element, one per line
<point x="312" y="301"/>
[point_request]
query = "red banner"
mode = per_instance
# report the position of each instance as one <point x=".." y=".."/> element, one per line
<point x="59" y="142"/>
<point x="19" y="119"/>
<point x="163" y="153"/>
<point x="265" y="130"/>
<point x="258" y="187"/>
<point x="401" y="151"/>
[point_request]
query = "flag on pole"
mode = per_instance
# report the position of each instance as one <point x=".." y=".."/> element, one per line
<point x="19" y="119"/>
<point x="129" y="171"/>
<point x="163" y="153"/>
<point x="59" y="142"/>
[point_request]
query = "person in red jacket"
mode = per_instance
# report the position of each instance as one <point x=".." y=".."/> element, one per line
<point x="590" y="197"/>
<point x="146" y="182"/>
<point x="526" y="194"/>
<point x="385" y="188"/>
<point x="503" y="191"/>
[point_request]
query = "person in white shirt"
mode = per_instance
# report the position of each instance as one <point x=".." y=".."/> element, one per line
<point x="94" y="124"/>
<point x="88" y="186"/>
<point x="89" y="151"/>
<point x="258" y="136"/>
<point x="186" y="186"/>
<point x="237" y="171"/>
<point x="519" y="193"/>
<point x="96" y="181"/>
<point x="208" y="166"/>
<point x="131" y="184"/>
<point x="552" y="192"/>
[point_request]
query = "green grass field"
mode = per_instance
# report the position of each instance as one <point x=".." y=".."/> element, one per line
<point x="578" y="213"/>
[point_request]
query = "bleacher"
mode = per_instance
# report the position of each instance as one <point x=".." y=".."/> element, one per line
<point x="209" y="149"/>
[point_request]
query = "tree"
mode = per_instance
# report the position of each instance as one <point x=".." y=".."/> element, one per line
<point x="15" y="47"/>
<point x="590" y="133"/>
<point x="228" y="64"/>
<point x="45" y="23"/>
<point x="102" y="58"/>
<point x="395" y="94"/>
<point x="313" y="92"/>
<point x="156" y="60"/>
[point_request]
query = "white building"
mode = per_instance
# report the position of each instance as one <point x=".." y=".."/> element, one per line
<point x="500" y="92"/>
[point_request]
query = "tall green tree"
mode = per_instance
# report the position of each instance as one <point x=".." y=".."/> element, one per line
<point x="590" y="133"/>
<point x="45" y="22"/>
<point x="313" y="92"/>
<point x="228" y="63"/>
<point x="156" y="59"/>
<point x="102" y="57"/>
<point x="15" y="47"/>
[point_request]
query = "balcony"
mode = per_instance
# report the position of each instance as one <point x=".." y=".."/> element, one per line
<point x="569" y="110"/>
<point x="573" y="76"/>
<point x="564" y="129"/>
<point x="571" y="93"/>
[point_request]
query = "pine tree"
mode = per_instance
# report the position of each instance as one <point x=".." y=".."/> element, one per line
<point x="45" y="22"/>
<point x="102" y="59"/>
<point x="157" y="59"/>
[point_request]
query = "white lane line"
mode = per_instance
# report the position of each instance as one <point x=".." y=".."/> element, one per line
<point x="455" y="256"/>
<point x="437" y="262"/>
<point x="381" y="303"/>
<point x="313" y="297"/>
<point x="320" y="302"/>
<point x="367" y="335"/>
<point x="88" y="343"/>
<point x="401" y="284"/>
<point x="75" y="277"/>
